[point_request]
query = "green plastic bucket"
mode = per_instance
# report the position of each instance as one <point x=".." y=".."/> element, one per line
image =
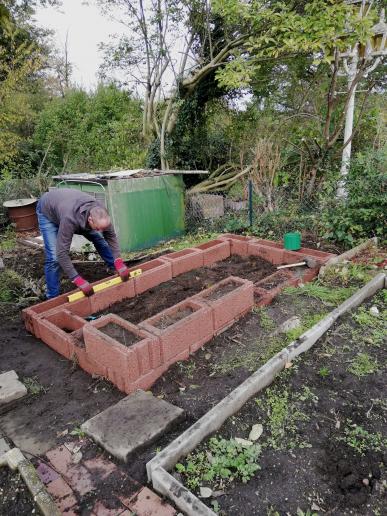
<point x="292" y="241"/>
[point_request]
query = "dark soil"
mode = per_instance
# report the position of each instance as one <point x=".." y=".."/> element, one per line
<point x="124" y="336"/>
<point x="313" y="466"/>
<point x="168" y="320"/>
<point x="222" y="290"/>
<point x="15" y="498"/>
<point x="186" y="285"/>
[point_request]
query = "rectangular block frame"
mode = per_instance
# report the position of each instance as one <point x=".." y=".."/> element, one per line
<point x="142" y="363"/>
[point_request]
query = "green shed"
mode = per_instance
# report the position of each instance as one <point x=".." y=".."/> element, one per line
<point x="146" y="206"/>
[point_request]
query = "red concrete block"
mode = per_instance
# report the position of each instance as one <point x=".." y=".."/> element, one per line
<point x="56" y="330"/>
<point x="310" y="274"/>
<point x="185" y="260"/>
<point x="238" y="243"/>
<point x="275" y="283"/>
<point x="322" y="256"/>
<point x="270" y="243"/>
<point x="269" y="253"/>
<point x="154" y="272"/>
<point x="56" y="338"/>
<point x="148" y="503"/>
<point x="128" y="361"/>
<point x="262" y="297"/>
<point x="182" y="328"/>
<point x="146" y="381"/>
<point x="237" y="299"/>
<point x="88" y="363"/>
<point x="215" y="251"/>
<point x="82" y="307"/>
<point x="107" y="297"/>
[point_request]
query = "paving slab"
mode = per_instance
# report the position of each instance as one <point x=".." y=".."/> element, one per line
<point x="3" y="446"/>
<point x="131" y="423"/>
<point x="10" y="387"/>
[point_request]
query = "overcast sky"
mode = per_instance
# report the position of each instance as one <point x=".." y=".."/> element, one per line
<point x="86" y="29"/>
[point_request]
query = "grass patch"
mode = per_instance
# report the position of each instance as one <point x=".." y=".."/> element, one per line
<point x="284" y="412"/>
<point x="328" y="295"/>
<point x="360" y="440"/>
<point x="8" y="239"/>
<point x="11" y="286"/>
<point x="363" y="365"/>
<point x="265" y="320"/>
<point x="33" y="386"/>
<point x="307" y="322"/>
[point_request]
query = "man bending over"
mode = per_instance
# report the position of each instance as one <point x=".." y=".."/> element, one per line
<point x="64" y="212"/>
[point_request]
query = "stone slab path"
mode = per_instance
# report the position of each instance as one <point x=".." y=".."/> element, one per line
<point x="131" y="423"/>
<point x="10" y="387"/>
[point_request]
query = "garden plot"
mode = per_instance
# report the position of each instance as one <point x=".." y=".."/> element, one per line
<point x="213" y="296"/>
<point x="320" y="432"/>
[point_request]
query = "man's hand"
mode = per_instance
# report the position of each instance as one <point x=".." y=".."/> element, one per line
<point x="83" y="285"/>
<point x="122" y="269"/>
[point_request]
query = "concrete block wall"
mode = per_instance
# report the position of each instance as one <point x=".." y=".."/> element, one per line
<point x="191" y="323"/>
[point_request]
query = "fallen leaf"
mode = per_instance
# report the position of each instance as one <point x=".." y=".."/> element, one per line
<point x="288" y="365"/>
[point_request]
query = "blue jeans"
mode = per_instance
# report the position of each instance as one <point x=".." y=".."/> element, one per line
<point x="49" y="232"/>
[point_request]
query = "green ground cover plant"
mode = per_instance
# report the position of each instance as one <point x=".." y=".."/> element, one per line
<point x="222" y="461"/>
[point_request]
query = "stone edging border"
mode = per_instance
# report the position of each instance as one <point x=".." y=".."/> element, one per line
<point x="157" y="468"/>
<point x="15" y="460"/>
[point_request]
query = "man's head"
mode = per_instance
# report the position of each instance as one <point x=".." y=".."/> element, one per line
<point x="98" y="219"/>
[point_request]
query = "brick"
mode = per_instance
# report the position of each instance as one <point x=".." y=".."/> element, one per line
<point x="215" y="251"/>
<point x="269" y="253"/>
<point x="238" y="243"/>
<point x="230" y="306"/>
<point x="153" y="273"/>
<point x="100" y="467"/>
<point x="148" y="503"/>
<point x="60" y="458"/>
<point x="184" y="335"/>
<point x="80" y="479"/>
<point x="46" y="473"/>
<point x="68" y="505"/>
<point x="59" y="488"/>
<point x="99" y="509"/>
<point x="185" y="260"/>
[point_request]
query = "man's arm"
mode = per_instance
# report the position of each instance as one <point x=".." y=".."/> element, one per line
<point x="63" y="244"/>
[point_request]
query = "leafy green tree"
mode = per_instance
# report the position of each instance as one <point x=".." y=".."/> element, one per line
<point x="96" y="131"/>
